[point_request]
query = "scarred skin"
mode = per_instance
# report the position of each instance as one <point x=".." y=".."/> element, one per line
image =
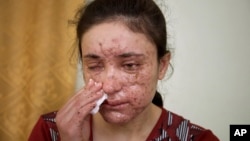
<point x="124" y="65"/>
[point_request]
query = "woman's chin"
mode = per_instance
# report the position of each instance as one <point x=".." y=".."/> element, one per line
<point x="115" y="117"/>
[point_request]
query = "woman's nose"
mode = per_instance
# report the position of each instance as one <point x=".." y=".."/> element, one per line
<point x="111" y="83"/>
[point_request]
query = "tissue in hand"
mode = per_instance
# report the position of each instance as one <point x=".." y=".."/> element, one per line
<point x="98" y="103"/>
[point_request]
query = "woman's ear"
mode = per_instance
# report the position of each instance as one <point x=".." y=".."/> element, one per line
<point x="163" y="65"/>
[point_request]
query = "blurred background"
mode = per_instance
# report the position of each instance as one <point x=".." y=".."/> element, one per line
<point x="37" y="65"/>
<point x="211" y="46"/>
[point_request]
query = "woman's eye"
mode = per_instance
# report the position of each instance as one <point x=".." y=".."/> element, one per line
<point x="131" y="66"/>
<point x="95" y="68"/>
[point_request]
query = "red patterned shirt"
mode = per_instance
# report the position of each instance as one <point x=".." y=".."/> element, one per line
<point x="170" y="127"/>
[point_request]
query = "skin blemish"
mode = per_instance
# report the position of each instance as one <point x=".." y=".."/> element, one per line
<point x="100" y="44"/>
<point x="128" y="71"/>
<point x="114" y="40"/>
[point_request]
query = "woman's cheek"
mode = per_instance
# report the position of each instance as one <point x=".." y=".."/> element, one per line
<point x="141" y="90"/>
<point x="139" y="98"/>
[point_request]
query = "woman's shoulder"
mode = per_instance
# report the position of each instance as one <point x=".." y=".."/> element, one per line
<point x="49" y="117"/>
<point x="49" y="120"/>
<point x="175" y="127"/>
<point x="45" y="128"/>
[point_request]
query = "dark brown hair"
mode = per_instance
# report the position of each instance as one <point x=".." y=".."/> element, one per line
<point x="142" y="16"/>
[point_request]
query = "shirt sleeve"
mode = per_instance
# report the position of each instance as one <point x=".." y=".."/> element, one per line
<point x="206" y="135"/>
<point x="40" y="132"/>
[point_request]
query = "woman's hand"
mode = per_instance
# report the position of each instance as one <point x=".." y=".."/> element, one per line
<point x="73" y="118"/>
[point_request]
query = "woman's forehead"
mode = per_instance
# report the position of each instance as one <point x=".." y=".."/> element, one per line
<point x="114" y="38"/>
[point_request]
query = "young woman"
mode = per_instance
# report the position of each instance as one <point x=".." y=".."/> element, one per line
<point x="122" y="45"/>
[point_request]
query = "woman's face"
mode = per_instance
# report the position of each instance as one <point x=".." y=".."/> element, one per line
<point x="126" y="64"/>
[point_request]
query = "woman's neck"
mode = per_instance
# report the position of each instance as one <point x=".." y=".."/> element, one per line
<point x="138" y="128"/>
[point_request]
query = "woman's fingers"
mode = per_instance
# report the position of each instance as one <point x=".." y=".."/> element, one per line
<point x="72" y="117"/>
<point x="85" y="95"/>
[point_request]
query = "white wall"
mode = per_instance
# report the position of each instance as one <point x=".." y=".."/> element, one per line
<point x="211" y="80"/>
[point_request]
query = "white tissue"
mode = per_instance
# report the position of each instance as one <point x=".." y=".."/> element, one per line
<point x="98" y="103"/>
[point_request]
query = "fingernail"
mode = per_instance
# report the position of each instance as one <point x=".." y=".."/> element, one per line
<point x="91" y="80"/>
<point x="98" y="84"/>
<point x="99" y="93"/>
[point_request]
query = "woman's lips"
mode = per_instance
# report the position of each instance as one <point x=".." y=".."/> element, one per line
<point x="114" y="104"/>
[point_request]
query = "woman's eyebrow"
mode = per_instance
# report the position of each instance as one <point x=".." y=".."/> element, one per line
<point x="123" y="55"/>
<point x="130" y="54"/>
<point x="91" y="56"/>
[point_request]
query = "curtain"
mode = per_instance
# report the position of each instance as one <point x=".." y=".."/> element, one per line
<point x="37" y="72"/>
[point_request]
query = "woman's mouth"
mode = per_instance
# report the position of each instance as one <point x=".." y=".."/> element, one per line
<point x="114" y="105"/>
